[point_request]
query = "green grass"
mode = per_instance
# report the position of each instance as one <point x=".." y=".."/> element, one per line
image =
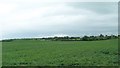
<point x="60" y="53"/>
<point x="0" y="54"/>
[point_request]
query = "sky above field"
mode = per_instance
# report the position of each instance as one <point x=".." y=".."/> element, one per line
<point x="34" y="18"/>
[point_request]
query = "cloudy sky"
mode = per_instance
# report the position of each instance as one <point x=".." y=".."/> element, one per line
<point x="33" y="18"/>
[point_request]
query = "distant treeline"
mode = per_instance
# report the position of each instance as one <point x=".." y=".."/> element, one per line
<point x="67" y="38"/>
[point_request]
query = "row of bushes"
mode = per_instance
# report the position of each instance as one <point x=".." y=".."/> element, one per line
<point x="84" y="38"/>
<point x="67" y="38"/>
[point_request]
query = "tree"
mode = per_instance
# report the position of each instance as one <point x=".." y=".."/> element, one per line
<point x="113" y="36"/>
<point x="101" y="37"/>
<point x="85" y="38"/>
<point x="91" y="38"/>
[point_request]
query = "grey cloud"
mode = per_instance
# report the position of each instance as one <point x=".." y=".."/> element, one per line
<point x="99" y="7"/>
<point x="78" y="19"/>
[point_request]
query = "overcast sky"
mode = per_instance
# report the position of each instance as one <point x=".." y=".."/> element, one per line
<point x="33" y="18"/>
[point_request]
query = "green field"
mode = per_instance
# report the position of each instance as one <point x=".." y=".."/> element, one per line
<point x="60" y="53"/>
<point x="0" y="54"/>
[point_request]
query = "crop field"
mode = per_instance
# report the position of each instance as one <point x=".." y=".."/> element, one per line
<point x="0" y="54"/>
<point x="60" y="53"/>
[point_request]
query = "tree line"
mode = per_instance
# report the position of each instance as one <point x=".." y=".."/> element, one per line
<point x="84" y="38"/>
<point x="67" y="38"/>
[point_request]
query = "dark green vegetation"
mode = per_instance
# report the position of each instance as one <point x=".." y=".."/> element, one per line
<point x="60" y="53"/>
<point x="0" y="54"/>
<point x="67" y="38"/>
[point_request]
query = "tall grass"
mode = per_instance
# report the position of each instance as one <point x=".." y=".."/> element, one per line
<point x="60" y="53"/>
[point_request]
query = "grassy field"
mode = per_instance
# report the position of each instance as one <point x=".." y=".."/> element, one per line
<point x="0" y="54"/>
<point x="60" y="53"/>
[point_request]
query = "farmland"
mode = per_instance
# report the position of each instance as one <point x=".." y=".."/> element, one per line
<point x="60" y="53"/>
<point x="0" y="54"/>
